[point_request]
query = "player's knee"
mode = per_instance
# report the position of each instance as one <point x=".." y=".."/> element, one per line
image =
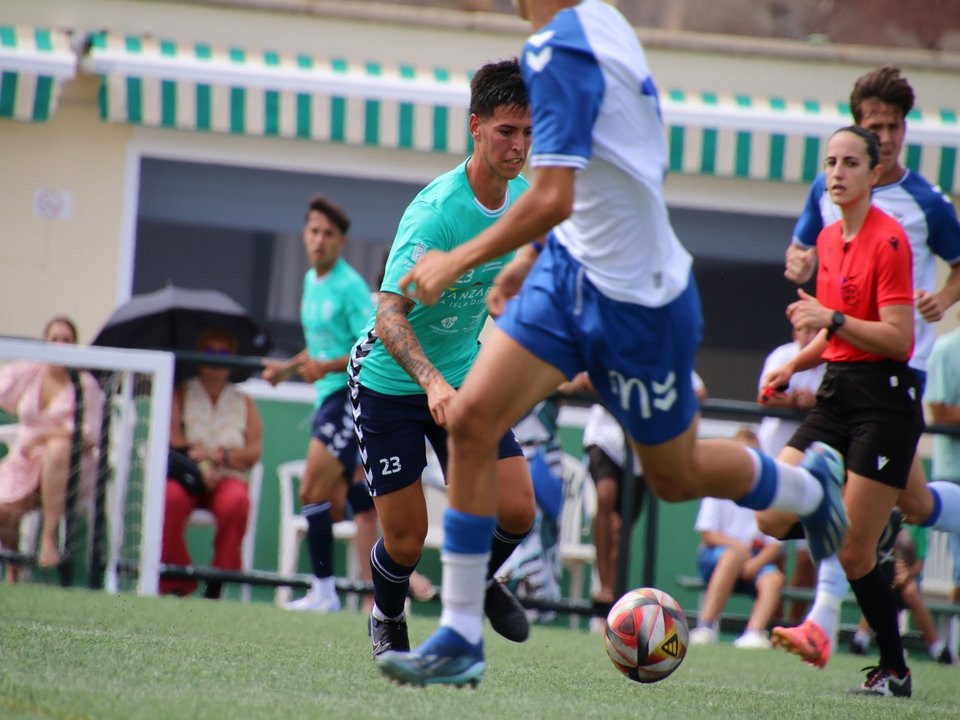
<point x="917" y="508"/>
<point x="855" y="562"/>
<point x="675" y="481"/>
<point x="319" y="486"/>
<point x="405" y="546"/>
<point x="467" y="425"/>
<point x="672" y="488"/>
<point x="516" y="517"/>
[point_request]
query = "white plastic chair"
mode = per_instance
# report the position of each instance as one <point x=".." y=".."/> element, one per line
<point x="205" y="518"/>
<point x="293" y="528"/>
<point x="576" y="541"/>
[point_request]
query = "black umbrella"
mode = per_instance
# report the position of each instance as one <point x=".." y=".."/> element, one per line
<point x="173" y="319"/>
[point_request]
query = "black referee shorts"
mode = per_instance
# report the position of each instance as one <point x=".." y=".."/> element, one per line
<point x="871" y="413"/>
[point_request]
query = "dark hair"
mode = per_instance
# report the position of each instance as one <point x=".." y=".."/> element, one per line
<point x="497" y="84"/>
<point x="63" y="319"/>
<point x="217" y="334"/>
<point x="334" y="213"/>
<point x="886" y="85"/>
<point x="869" y="138"/>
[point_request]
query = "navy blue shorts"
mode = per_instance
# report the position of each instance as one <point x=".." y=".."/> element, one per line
<point x="640" y="359"/>
<point x="333" y="426"/>
<point x="392" y="429"/>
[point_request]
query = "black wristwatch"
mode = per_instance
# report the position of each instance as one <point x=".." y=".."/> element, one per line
<point x="836" y="322"/>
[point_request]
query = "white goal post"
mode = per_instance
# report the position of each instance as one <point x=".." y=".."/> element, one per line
<point x="152" y="454"/>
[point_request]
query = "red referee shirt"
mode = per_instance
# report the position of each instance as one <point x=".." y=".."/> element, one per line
<point x="873" y="270"/>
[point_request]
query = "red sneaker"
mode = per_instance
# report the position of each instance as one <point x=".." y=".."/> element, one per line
<point x="808" y="640"/>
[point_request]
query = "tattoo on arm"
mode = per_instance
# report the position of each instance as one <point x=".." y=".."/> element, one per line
<point x="397" y="336"/>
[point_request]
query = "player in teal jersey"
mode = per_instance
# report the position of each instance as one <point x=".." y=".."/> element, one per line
<point x="412" y="357"/>
<point x="335" y="305"/>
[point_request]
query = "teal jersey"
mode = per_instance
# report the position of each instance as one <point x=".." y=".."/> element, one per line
<point x="444" y="215"/>
<point x="943" y="387"/>
<point x="333" y="311"/>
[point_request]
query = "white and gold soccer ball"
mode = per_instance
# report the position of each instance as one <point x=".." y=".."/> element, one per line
<point x="647" y="635"/>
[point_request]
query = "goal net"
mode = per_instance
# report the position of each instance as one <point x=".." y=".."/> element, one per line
<point x="111" y="532"/>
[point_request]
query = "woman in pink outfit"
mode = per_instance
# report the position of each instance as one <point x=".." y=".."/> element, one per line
<point x="36" y="469"/>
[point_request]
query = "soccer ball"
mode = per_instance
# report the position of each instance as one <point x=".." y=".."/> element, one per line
<point x="646" y="635"/>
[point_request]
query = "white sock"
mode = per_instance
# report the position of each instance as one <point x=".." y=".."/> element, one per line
<point x="949" y="518"/>
<point x="936" y="647"/>
<point x="862" y="637"/>
<point x="378" y="615"/>
<point x="825" y="612"/>
<point x="463" y="592"/>
<point x="797" y="490"/>
<point x="325" y="587"/>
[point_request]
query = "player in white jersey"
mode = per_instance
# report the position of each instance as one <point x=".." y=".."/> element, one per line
<point x="880" y="102"/>
<point x="610" y="293"/>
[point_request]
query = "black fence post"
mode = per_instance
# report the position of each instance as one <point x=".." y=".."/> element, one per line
<point x="97" y="565"/>
<point x="65" y="566"/>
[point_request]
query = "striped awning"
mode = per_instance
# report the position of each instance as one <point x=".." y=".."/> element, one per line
<point x="34" y="63"/>
<point x="161" y="83"/>
<point x="780" y="139"/>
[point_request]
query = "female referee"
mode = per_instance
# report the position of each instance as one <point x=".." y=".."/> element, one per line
<point x="868" y="406"/>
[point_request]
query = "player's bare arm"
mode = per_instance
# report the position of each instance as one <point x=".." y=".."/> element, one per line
<point x="395" y="332"/>
<point x="891" y="335"/>
<point x="277" y="371"/>
<point x="800" y="263"/>
<point x="548" y="202"/>
<point x="932" y="306"/>
<point x="311" y="370"/>
<point x="508" y="281"/>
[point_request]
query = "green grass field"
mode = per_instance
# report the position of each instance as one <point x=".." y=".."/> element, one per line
<point x="71" y="654"/>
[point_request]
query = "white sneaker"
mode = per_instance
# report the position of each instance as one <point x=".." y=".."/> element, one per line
<point x="703" y="636"/>
<point x="753" y="640"/>
<point x="315" y="601"/>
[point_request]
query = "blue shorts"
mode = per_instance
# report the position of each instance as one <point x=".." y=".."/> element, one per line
<point x="333" y="426"/>
<point x="392" y="430"/>
<point x="953" y="545"/>
<point x="707" y="558"/>
<point x="640" y="359"/>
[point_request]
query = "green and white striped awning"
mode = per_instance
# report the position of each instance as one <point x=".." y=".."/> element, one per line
<point x="781" y="139"/>
<point x="160" y="83"/>
<point x="34" y="63"/>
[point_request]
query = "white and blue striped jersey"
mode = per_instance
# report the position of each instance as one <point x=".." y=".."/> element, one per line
<point x="595" y="108"/>
<point x="926" y="215"/>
